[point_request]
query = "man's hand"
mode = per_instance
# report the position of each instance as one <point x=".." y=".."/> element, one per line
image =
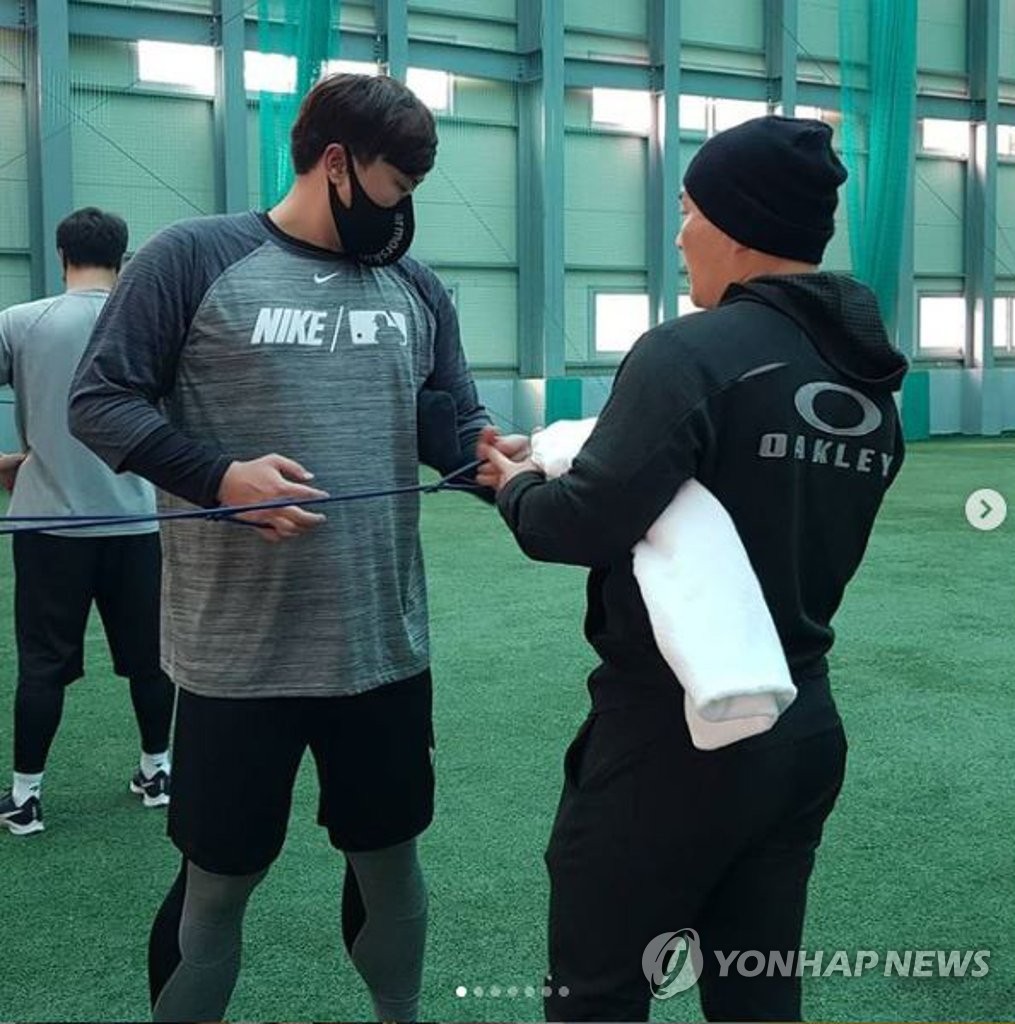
<point x="504" y="458"/>
<point x="9" y="466"/>
<point x="514" y="446"/>
<point x="267" y="479"/>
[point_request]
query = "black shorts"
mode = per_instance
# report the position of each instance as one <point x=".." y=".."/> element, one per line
<point x="235" y="763"/>
<point x="56" y="581"/>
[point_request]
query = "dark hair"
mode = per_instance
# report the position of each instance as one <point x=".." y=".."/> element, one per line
<point x="373" y="115"/>
<point x="90" y="237"/>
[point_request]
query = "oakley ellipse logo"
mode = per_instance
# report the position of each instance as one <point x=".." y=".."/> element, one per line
<point x="870" y="415"/>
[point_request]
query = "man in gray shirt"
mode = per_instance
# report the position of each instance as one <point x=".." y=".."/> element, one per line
<point x="304" y="330"/>
<point x="60" y="573"/>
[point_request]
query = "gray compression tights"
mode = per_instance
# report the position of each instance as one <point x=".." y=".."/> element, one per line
<point x="384" y="914"/>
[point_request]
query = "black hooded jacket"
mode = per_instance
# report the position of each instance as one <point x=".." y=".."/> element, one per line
<point x="781" y="402"/>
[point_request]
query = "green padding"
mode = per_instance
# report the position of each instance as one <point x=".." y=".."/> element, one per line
<point x="563" y="398"/>
<point x="916" y="405"/>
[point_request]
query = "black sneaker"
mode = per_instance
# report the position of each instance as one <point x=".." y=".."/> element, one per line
<point x="21" y="819"/>
<point x="154" y="792"/>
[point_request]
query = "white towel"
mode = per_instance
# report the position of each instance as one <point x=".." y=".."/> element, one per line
<point x="706" y="607"/>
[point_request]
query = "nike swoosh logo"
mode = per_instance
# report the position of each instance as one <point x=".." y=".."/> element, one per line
<point x="321" y="278"/>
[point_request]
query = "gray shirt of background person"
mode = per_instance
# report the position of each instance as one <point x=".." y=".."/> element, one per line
<point x="41" y="344"/>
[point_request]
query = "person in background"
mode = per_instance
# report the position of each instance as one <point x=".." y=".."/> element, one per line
<point x="60" y="574"/>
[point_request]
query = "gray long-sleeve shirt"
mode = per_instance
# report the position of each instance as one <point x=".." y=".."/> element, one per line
<point x="40" y="345"/>
<point x="246" y="341"/>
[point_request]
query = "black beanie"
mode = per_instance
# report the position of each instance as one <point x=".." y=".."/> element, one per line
<point x="771" y="184"/>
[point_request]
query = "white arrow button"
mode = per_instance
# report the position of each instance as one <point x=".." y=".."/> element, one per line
<point x="986" y="509"/>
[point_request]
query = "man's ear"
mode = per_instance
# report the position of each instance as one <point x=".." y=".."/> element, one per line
<point x="336" y="163"/>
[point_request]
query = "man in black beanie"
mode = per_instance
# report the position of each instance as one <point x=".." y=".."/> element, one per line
<point x="667" y="862"/>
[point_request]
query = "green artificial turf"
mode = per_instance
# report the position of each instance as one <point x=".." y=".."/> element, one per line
<point x="918" y="854"/>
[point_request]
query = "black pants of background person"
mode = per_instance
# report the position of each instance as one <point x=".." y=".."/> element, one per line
<point x="57" y="580"/>
<point x="654" y="836"/>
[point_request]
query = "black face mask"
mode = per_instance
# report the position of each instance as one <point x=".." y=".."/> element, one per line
<point x="371" y="234"/>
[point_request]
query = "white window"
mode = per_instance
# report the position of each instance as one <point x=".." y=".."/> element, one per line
<point x="830" y="116"/>
<point x="1006" y="140"/>
<point x="268" y="72"/>
<point x="349" y="67"/>
<point x="1004" y="308"/>
<point x="943" y="322"/>
<point x="621" y="318"/>
<point x="685" y="305"/>
<point x="730" y="113"/>
<point x="622" y="108"/>
<point x="950" y="138"/>
<point x="176" y="64"/>
<point x="434" y="88"/>
<point x="711" y="114"/>
<point x="694" y="113"/>
<point x="814" y="113"/>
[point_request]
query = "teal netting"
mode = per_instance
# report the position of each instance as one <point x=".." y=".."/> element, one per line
<point x="878" y="61"/>
<point x="303" y="29"/>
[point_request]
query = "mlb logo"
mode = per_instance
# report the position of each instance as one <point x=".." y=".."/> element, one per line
<point x="377" y="327"/>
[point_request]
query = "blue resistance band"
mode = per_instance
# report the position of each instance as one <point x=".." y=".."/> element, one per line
<point x="225" y="513"/>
